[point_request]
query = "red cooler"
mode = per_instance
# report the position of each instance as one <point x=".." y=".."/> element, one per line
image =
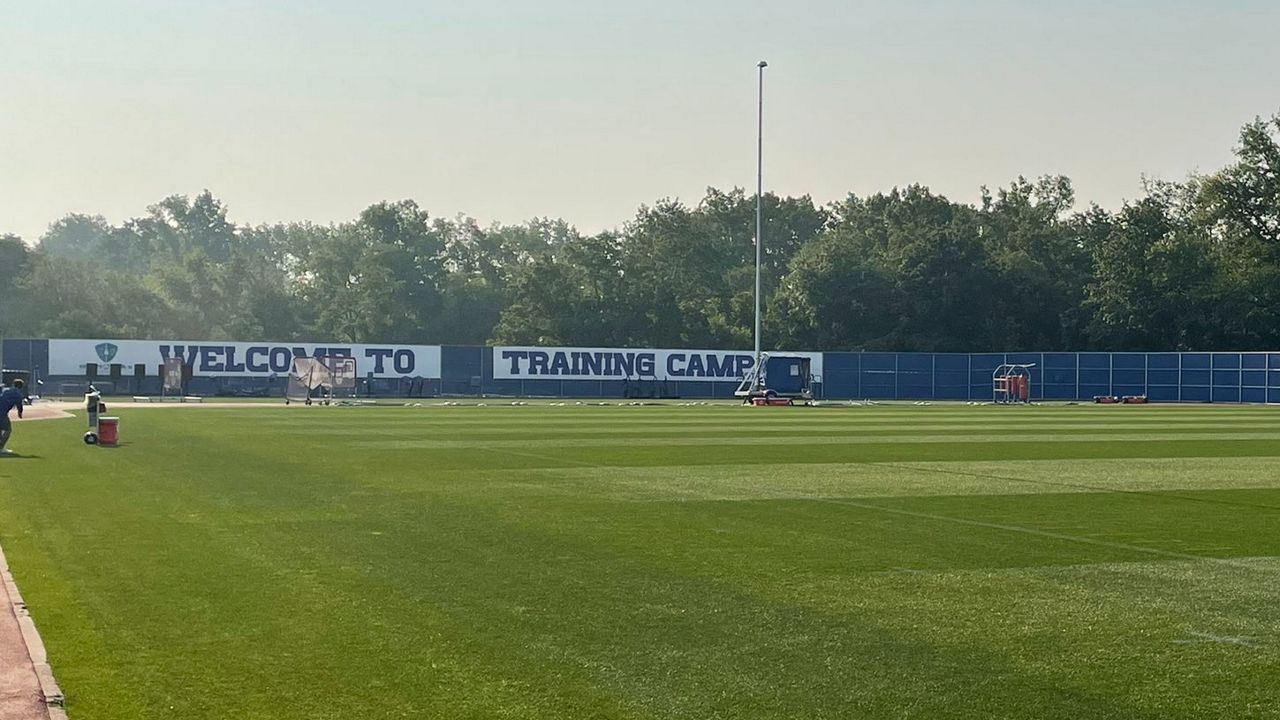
<point x="109" y="431"/>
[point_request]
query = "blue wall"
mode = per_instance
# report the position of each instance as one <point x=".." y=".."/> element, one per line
<point x="1162" y="377"/>
<point x="1230" y="377"/>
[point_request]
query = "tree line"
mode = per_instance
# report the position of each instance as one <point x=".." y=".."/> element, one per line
<point x="1189" y="265"/>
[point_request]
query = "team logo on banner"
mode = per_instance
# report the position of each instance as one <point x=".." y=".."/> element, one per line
<point x="106" y="351"/>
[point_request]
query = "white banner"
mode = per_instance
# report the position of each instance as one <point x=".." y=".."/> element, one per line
<point x="552" y="363"/>
<point x="215" y="358"/>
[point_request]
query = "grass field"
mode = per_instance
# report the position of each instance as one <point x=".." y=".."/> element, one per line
<point x="656" y="562"/>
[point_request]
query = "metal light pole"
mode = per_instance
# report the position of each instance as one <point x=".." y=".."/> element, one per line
<point x="759" y="214"/>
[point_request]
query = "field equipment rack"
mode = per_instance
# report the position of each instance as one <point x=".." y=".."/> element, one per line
<point x="1011" y="384"/>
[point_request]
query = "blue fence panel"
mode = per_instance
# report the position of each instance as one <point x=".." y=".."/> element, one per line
<point x="1129" y="361"/>
<point x="840" y="375"/>
<point x="981" y="366"/>
<point x="1226" y="394"/>
<point x="1095" y="361"/>
<point x="878" y="379"/>
<point x="1060" y="361"/>
<point x="915" y="362"/>
<point x="1129" y="378"/>
<point x="1253" y="395"/>
<point x="1095" y="377"/>
<point x="915" y="376"/>
<point x="1201" y="361"/>
<point x="1226" y="377"/>
<point x="951" y="377"/>
<point x="33" y="356"/>
<point x="1196" y="377"/>
<point x="1060" y="392"/>
<point x="1227" y="361"/>
<point x="952" y="362"/>
<point x="1196" y="393"/>
<point x="1065" y="376"/>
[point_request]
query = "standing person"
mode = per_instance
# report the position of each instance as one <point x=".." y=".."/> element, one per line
<point x="9" y="399"/>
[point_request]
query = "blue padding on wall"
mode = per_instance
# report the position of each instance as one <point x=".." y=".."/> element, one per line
<point x="877" y="392"/>
<point x="915" y="362"/>
<point x="1089" y="391"/>
<point x="1060" y="392"/>
<point x="1162" y="376"/>
<point x="1095" y="377"/>
<point x="1196" y="360"/>
<point x="914" y="392"/>
<point x="1195" y="377"/>
<point x="1226" y="394"/>
<point x="879" y="361"/>
<point x="1095" y="361"/>
<point x="462" y="363"/>
<point x="1195" y="393"/>
<point x="987" y="362"/>
<point x="1226" y="377"/>
<point x="1062" y="361"/>
<point x="1129" y="361"/>
<point x="1226" y="360"/>
<point x="835" y="362"/>
<point x="1129" y="377"/>
<point x="1066" y="376"/>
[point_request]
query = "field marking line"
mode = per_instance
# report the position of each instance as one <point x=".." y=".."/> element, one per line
<point x="552" y="458"/>
<point x="974" y="523"/>
<point x="51" y="697"/>
<point x="1200" y="638"/>
<point x="1077" y="486"/>
<point x="1048" y="534"/>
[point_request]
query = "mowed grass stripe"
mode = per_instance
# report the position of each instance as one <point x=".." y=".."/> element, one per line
<point x="857" y="480"/>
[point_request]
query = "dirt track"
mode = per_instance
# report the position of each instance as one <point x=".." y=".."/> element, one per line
<point x="41" y="411"/>
<point x="64" y="408"/>
<point x="20" y="695"/>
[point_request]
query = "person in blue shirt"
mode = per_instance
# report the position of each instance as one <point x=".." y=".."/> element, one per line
<point x="10" y="398"/>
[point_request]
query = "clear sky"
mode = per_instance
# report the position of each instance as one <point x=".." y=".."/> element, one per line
<point x="508" y="110"/>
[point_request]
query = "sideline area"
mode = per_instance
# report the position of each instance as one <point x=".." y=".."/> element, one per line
<point x="27" y="688"/>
